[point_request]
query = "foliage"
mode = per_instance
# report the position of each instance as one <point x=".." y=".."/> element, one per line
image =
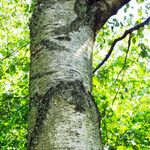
<point x="14" y="70"/>
<point x="122" y="93"/>
<point x="122" y="101"/>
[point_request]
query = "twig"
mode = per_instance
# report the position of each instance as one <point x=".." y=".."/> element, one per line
<point x="117" y="91"/>
<point x="125" y="62"/>
<point x="15" y="51"/>
<point x="119" y="39"/>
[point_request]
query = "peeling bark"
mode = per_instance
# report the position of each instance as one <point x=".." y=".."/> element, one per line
<point x="62" y="113"/>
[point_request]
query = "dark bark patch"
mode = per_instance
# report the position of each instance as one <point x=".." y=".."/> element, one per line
<point x="39" y="75"/>
<point x="63" y="29"/>
<point x="51" y="45"/>
<point x="82" y="19"/>
<point x="42" y="102"/>
<point x="48" y="45"/>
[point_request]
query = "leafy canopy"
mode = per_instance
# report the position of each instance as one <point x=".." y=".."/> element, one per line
<point x="121" y="86"/>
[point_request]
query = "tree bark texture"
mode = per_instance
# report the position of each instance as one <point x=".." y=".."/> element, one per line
<point x="62" y="114"/>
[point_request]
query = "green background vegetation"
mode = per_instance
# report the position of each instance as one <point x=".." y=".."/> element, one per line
<point x="123" y="98"/>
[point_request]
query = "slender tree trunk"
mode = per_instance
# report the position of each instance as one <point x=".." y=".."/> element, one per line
<point x="62" y="113"/>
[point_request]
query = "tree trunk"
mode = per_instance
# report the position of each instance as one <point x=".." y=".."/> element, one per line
<point x="62" y="113"/>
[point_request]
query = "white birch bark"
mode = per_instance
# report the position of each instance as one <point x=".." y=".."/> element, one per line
<point x="62" y="114"/>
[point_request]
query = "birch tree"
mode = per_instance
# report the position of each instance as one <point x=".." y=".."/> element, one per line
<point x="63" y="114"/>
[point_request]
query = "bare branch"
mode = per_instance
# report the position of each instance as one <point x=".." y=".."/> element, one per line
<point x="15" y="51"/>
<point x="125" y="61"/>
<point x="119" y="39"/>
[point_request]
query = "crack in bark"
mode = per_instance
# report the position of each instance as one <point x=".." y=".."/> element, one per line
<point x="63" y="38"/>
<point x="42" y="74"/>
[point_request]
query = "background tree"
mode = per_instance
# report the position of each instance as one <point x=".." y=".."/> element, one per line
<point x="15" y="93"/>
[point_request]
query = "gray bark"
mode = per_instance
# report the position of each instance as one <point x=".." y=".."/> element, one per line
<point x="62" y="113"/>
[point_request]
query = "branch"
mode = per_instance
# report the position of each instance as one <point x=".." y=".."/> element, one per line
<point x="125" y="61"/>
<point x="102" y="10"/>
<point x="15" y="51"/>
<point x="119" y="39"/>
<point x="11" y="54"/>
